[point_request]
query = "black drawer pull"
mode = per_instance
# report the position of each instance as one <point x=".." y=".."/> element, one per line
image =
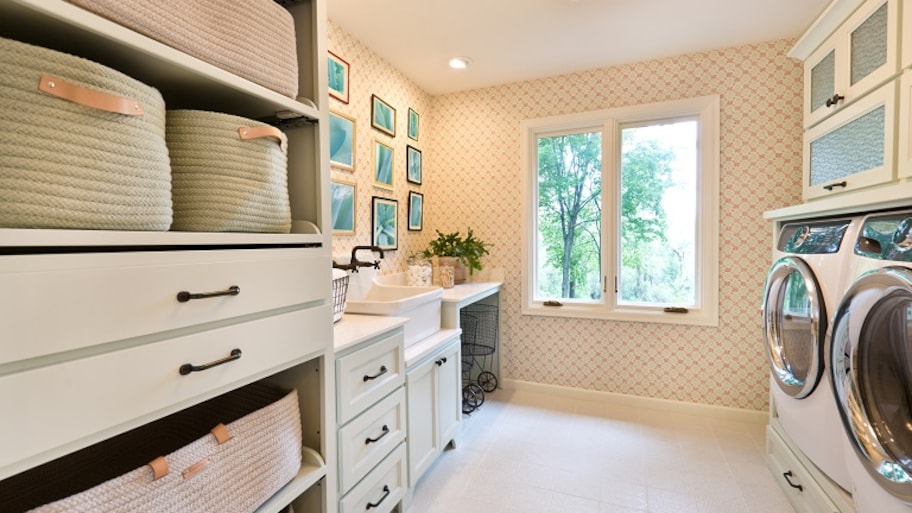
<point x="441" y="361"/>
<point x="377" y="375"/>
<point x="832" y="186"/>
<point x="187" y="368"/>
<point x="386" y="492"/>
<point x="787" y="475"/>
<point x="834" y="100"/>
<point x="385" y="429"/>
<point x="184" y="296"/>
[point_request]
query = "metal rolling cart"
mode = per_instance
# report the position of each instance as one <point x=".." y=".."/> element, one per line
<point x="479" y="343"/>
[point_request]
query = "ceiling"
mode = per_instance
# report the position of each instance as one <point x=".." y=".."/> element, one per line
<point x="514" y="40"/>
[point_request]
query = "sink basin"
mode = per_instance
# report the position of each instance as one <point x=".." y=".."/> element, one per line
<point x="420" y="305"/>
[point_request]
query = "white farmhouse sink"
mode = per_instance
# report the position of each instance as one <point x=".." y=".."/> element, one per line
<point x="421" y="305"/>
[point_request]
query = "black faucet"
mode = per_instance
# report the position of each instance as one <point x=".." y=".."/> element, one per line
<point x="354" y="264"/>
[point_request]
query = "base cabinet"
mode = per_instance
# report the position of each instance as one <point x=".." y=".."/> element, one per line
<point x="434" y="410"/>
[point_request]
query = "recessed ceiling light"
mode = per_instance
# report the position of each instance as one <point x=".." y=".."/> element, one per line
<point x="460" y="62"/>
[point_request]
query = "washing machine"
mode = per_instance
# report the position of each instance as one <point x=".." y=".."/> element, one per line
<point x="871" y="364"/>
<point x="802" y="289"/>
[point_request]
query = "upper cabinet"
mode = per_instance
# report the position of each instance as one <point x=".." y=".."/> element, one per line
<point x="860" y="55"/>
<point x="906" y="54"/>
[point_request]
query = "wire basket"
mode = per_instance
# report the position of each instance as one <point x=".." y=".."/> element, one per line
<point x="339" y="291"/>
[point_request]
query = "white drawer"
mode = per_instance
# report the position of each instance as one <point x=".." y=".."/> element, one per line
<point x="381" y="490"/>
<point x="803" y="492"/>
<point x="364" y="441"/>
<point x="54" y="303"/>
<point x="50" y="411"/>
<point x="368" y="374"/>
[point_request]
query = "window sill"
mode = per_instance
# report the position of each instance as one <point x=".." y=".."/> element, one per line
<point x="692" y="318"/>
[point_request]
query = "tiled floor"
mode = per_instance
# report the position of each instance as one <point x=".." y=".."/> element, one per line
<point x="532" y="453"/>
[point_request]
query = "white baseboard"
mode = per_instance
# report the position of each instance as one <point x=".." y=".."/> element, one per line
<point x="706" y="410"/>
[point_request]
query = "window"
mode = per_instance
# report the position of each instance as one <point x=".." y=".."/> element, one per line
<point x="620" y="213"/>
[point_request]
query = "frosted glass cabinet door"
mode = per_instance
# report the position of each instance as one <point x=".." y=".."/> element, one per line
<point x="904" y="154"/>
<point x="852" y="149"/>
<point x="859" y="56"/>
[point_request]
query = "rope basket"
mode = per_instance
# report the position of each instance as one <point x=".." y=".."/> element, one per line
<point x="254" y="39"/>
<point x="231" y="453"/>
<point x="82" y="146"/>
<point x="230" y="174"/>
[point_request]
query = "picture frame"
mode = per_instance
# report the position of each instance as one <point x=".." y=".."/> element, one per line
<point x="383" y="116"/>
<point x="383" y="165"/>
<point x="343" y="205"/>
<point x="415" y="211"/>
<point x="338" y="71"/>
<point x="413" y="164"/>
<point x="413" y="124"/>
<point x="385" y="223"/>
<point x="342" y="141"/>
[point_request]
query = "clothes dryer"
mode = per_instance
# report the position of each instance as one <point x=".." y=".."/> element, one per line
<point x="802" y="288"/>
<point x="871" y="364"/>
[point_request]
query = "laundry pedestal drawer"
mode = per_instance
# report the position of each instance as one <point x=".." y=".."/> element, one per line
<point x="801" y="489"/>
<point x="98" y="396"/>
<point x="95" y="298"/>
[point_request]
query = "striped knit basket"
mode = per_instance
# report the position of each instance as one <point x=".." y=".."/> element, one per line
<point x="254" y="39"/>
<point x="236" y="468"/>
<point x="230" y="173"/>
<point x="82" y="146"/>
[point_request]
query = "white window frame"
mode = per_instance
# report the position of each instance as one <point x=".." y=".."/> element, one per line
<point x="706" y="110"/>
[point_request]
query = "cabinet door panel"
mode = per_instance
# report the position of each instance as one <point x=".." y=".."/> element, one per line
<point x="423" y="445"/>
<point x="822" y="71"/>
<point x="873" y="46"/>
<point x="854" y="148"/>
<point x="449" y="399"/>
<point x="904" y="154"/>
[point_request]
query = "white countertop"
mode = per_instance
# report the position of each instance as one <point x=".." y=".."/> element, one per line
<point x="470" y="292"/>
<point x="353" y="329"/>
<point x="416" y="352"/>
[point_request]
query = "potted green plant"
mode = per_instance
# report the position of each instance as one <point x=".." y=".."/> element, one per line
<point x="465" y="252"/>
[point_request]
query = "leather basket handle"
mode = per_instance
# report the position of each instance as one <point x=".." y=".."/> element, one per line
<point x="91" y="98"/>
<point x="258" y="132"/>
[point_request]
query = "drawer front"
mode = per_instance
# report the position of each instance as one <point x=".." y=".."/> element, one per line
<point x="381" y="490"/>
<point x="63" y="407"/>
<point x="791" y="474"/>
<point x="369" y="374"/>
<point x="105" y="297"/>
<point x="367" y="439"/>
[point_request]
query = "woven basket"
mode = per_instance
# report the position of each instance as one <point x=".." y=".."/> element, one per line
<point x="254" y="39"/>
<point x="339" y="292"/>
<point x="203" y="475"/>
<point x="230" y="174"/>
<point x="82" y="146"/>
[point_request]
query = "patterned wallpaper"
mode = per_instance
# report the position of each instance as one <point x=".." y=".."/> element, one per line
<point x="471" y="143"/>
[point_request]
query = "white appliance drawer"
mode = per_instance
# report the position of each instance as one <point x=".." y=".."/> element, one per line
<point x="52" y="410"/>
<point x="94" y="298"/>
<point x="364" y="441"/>
<point x="381" y="490"/>
<point x="369" y="374"/>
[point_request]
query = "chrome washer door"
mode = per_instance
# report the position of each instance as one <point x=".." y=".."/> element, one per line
<point x="794" y="325"/>
<point x="871" y="366"/>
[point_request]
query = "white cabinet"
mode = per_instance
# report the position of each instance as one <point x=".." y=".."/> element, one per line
<point x="860" y="55"/>
<point x="904" y="132"/>
<point x="371" y="405"/>
<point x="434" y="406"/>
<point x="854" y="148"/>
<point x="95" y="330"/>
